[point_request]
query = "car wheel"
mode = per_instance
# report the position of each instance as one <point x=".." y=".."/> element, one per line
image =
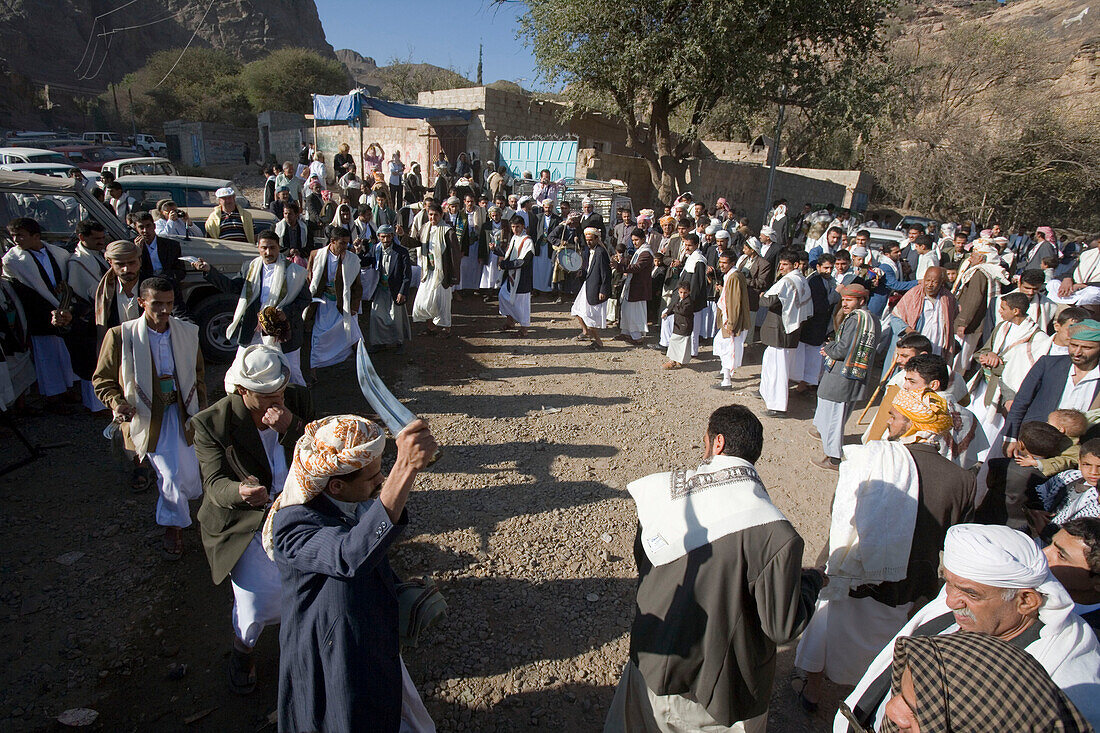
<point x="213" y="315"/>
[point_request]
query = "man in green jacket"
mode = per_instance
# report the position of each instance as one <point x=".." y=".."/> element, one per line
<point x="245" y="446"/>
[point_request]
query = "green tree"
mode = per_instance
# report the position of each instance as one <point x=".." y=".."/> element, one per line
<point x="662" y="61"/>
<point x="285" y="79"/>
<point x="204" y="85"/>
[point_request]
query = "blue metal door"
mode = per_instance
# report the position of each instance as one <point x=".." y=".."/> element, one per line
<point x="560" y="156"/>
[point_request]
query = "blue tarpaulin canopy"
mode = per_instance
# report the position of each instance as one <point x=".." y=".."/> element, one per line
<point x="349" y="107"/>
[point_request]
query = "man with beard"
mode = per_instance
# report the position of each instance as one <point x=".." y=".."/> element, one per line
<point x="151" y="375"/>
<point x="733" y="321"/>
<point x="590" y="305"/>
<point x="389" y="320"/>
<point x="245" y="444"/>
<point x="337" y="293"/>
<point x="266" y="281"/>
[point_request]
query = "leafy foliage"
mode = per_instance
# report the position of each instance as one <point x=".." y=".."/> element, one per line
<point x="212" y="86"/>
<point x="659" y="61"/>
<point x="285" y="79"/>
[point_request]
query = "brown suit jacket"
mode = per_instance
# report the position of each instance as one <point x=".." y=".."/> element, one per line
<point x="229" y="449"/>
<point x="641" y="285"/>
<point x="108" y="389"/>
<point x="973" y="304"/>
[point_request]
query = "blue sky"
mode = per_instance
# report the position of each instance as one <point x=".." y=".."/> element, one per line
<point x="436" y="32"/>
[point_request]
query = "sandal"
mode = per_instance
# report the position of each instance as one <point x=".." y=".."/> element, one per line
<point x="242" y="673"/>
<point x="142" y="479"/>
<point x="172" y="545"/>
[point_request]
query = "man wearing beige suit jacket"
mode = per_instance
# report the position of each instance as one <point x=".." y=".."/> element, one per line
<point x="151" y="376"/>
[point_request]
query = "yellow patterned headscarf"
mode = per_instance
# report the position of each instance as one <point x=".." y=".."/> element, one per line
<point x="927" y="412"/>
<point x="331" y="446"/>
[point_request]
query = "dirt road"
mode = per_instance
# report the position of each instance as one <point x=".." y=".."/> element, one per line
<point x="524" y="523"/>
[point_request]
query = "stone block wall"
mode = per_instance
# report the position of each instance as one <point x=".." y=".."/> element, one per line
<point x="207" y="143"/>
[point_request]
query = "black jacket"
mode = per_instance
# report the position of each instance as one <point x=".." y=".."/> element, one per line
<point x="293" y="309"/>
<point x="816" y="327"/>
<point x="399" y="275"/>
<point x="598" y="280"/>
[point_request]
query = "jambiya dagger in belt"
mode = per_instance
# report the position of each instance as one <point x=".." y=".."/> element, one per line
<point x="395" y="415"/>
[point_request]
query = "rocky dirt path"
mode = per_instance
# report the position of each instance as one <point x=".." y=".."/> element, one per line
<point x="524" y="523"/>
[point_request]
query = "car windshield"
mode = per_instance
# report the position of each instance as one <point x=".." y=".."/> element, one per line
<point x="46" y="158"/>
<point x="200" y="197"/>
<point x="147" y="168"/>
<point x="57" y="214"/>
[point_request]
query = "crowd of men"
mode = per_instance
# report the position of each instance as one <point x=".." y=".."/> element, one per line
<point x="985" y="352"/>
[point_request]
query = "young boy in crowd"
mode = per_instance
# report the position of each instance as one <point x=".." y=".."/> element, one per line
<point x="1046" y="448"/>
<point x="1068" y="495"/>
<point x="660" y="272"/>
<point x="683" y="320"/>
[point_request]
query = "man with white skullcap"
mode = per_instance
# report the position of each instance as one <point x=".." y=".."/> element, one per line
<point x="329" y="532"/>
<point x="997" y="582"/>
<point x="244" y="443"/>
<point x="592" y="218"/>
<point x="977" y="289"/>
<point x="590" y="305"/>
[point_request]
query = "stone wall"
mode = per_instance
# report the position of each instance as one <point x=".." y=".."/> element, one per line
<point x="497" y="113"/>
<point x="737" y="152"/>
<point x="744" y="185"/>
<point x="207" y="143"/>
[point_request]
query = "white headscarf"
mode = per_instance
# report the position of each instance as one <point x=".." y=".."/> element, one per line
<point x="258" y="368"/>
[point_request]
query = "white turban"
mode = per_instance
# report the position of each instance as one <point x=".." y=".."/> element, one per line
<point x="592" y="230"/>
<point x="858" y="252"/>
<point x="258" y="368"/>
<point x="331" y="446"/>
<point x="754" y="244"/>
<point x="767" y="231"/>
<point x="983" y="248"/>
<point x="586" y="201"/>
<point x="453" y="200"/>
<point x="994" y="555"/>
<point x="712" y="229"/>
<point x="721" y="234"/>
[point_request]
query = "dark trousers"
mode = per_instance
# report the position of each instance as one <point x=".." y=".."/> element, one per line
<point x="397" y="195"/>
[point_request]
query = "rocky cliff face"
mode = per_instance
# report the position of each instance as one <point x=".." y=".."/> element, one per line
<point x="85" y="44"/>
<point x="1065" y="34"/>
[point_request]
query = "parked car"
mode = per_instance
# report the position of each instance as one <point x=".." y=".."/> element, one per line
<point x="32" y="155"/>
<point x="58" y="204"/>
<point x="57" y="170"/>
<point x="139" y="167"/>
<point x="102" y="138"/>
<point x="90" y="157"/>
<point x="931" y="226"/>
<point x="880" y="237"/>
<point x="149" y="145"/>
<point x="194" y="193"/>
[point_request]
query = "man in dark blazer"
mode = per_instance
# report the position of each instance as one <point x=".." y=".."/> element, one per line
<point x="245" y="445"/>
<point x="590" y="305"/>
<point x="1058" y="382"/>
<point x="259" y="277"/>
<point x="591" y="218"/>
<point x="340" y="666"/>
<point x="1054" y="382"/>
<point x="387" y="319"/>
<point x="159" y="255"/>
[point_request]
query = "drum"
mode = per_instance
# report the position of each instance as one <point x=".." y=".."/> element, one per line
<point x="570" y="260"/>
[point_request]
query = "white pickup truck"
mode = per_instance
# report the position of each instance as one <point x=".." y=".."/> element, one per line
<point x="149" y="145"/>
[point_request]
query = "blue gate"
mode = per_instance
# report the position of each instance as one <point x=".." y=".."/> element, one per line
<point x="560" y="156"/>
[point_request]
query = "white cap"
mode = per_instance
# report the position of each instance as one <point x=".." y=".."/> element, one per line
<point x="258" y="368"/>
<point x="225" y="192"/>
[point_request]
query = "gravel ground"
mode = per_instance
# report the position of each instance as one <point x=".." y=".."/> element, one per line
<point x="524" y="523"/>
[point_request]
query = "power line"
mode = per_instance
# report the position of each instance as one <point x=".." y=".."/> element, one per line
<point x="106" y="52"/>
<point x="143" y="25"/>
<point x="189" y="40"/>
<point x="92" y="34"/>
